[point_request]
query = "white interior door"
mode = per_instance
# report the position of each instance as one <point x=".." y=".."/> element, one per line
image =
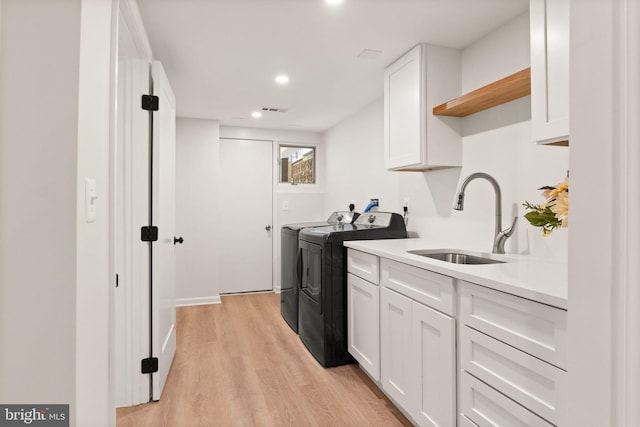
<point x="163" y="272"/>
<point x="246" y="215"/>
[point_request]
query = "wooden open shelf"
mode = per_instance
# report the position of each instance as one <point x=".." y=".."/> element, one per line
<point x="559" y="143"/>
<point x="500" y="92"/>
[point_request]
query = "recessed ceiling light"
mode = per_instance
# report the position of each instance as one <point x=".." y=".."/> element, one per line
<point x="282" y="79"/>
<point x="256" y="114"/>
<point x="333" y="2"/>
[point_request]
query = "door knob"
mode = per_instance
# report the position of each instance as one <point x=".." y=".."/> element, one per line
<point x="267" y="227"/>
<point x="178" y="240"/>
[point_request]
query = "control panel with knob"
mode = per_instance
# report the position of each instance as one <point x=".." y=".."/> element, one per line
<point x="377" y="219"/>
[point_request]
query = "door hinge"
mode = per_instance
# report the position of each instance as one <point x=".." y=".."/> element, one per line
<point x="150" y="365"/>
<point x="150" y="103"/>
<point x="149" y="233"/>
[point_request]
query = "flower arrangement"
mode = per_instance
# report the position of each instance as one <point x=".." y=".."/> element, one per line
<point x="552" y="214"/>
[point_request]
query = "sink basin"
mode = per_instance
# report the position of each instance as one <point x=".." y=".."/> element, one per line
<point x="456" y="257"/>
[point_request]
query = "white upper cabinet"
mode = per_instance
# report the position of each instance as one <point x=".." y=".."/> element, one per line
<point x="549" y="70"/>
<point x="415" y="139"/>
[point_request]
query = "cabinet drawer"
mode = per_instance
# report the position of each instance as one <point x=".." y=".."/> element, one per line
<point x="485" y="407"/>
<point x="532" y="327"/>
<point x="431" y="289"/>
<point x="534" y="384"/>
<point x="363" y="265"/>
<point x="463" y="421"/>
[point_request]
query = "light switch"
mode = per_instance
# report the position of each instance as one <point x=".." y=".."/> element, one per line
<point x="91" y="197"/>
<point x="285" y="205"/>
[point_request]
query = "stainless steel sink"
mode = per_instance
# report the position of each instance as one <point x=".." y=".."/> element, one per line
<point x="456" y="257"/>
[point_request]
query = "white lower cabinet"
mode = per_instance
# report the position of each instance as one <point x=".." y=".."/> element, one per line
<point x="511" y="353"/>
<point x="364" y="324"/>
<point x="418" y="359"/>
<point x="531" y="382"/>
<point x="396" y="374"/>
<point x="433" y="350"/>
<point x="534" y="328"/>
<point x="503" y="363"/>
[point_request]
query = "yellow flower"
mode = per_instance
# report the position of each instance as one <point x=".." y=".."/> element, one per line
<point x="560" y="188"/>
<point x="564" y="186"/>
<point x="561" y="206"/>
<point x="554" y="212"/>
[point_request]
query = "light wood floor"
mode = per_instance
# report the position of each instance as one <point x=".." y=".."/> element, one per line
<point x="239" y="364"/>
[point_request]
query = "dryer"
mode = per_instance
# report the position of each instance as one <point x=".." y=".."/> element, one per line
<point x="322" y="272"/>
<point x="289" y="252"/>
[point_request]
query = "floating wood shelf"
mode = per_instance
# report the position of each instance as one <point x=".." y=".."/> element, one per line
<point x="559" y="143"/>
<point x="500" y="92"/>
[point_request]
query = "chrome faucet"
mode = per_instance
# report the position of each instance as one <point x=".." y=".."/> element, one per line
<point x="501" y="235"/>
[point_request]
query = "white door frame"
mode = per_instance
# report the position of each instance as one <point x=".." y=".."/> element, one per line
<point x="132" y="255"/>
<point x="604" y="237"/>
<point x="626" y="253"/>
<point x="129" y="346"/>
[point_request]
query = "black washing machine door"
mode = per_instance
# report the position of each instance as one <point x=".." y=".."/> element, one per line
<point x="310" y="273"/>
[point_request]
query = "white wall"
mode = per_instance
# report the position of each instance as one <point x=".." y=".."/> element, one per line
<point x="38" y="200"/>
<point x="496" y="141"/>
<point x="355" y="163"/>
<point x="54" y="267"/>
<point x="197" y="162"/>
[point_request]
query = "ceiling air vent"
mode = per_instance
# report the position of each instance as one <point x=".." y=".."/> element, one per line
<point x="275" y="110"/>
<point x="369" y="54"/>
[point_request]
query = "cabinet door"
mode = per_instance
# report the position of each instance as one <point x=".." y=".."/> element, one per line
<point x="415" y="139"/>
<point x="364" y="324"/>
<point x="549" y="70"/>
<point x="396" y="375"/>
<point x="433" y="367"/>
<point x="404" y="121"/>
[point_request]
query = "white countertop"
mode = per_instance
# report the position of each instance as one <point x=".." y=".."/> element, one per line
<point x="541" y="280"/>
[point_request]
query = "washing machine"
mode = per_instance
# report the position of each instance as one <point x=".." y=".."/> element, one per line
<point x="289" y="255"/>
<point x="322" y="267"/>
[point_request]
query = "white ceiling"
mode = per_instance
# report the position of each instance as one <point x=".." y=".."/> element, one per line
<point x="222" y="56"/>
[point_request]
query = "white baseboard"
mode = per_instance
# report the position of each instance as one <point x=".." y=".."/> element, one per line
<point x="186" y="302"/>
